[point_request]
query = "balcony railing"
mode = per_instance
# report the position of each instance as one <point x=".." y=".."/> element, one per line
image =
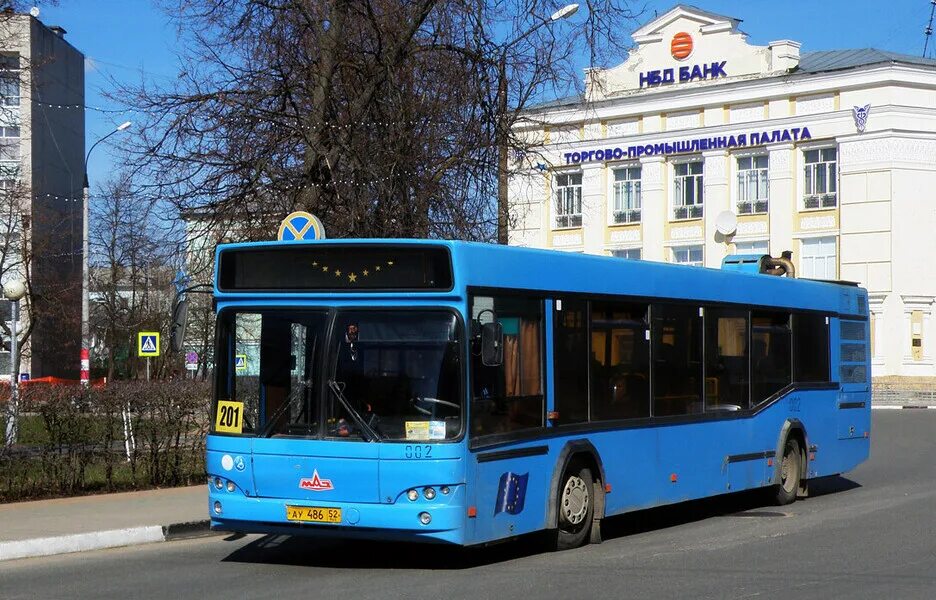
<point x="692" y="211"/>
<point x="630" y="215"/>
<point x="752" y="207"/>
<point x="566" y="221"/>
<point x="820" y="201"/>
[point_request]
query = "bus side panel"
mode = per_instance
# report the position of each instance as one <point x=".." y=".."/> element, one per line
<point x="509" y="493"/>
<point x="648" y="467"/>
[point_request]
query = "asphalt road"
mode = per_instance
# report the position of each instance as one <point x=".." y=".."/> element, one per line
<point x="871" y="534"/>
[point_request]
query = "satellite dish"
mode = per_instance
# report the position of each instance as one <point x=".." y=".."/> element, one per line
<point x="34" y="11"/>
<point x="726" y="223"/>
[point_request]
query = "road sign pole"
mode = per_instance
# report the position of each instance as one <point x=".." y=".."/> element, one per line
<point x="147" y="369"/>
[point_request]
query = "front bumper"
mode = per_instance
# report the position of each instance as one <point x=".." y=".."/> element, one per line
<point x="398" y="521"/>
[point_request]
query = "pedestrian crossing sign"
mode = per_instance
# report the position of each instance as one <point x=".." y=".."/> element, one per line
<point x="148" y="343"/>
<point x="240" y="362"/>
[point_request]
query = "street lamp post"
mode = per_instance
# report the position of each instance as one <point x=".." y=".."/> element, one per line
<point x="502" y="171"/>
<point x="85" y="285"/>
<point x="13" y="291"/>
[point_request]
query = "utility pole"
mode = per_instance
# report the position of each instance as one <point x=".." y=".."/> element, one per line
<point x="501" y="137"/>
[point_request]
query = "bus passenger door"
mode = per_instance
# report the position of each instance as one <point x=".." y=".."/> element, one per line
<point x="511" y="467"/>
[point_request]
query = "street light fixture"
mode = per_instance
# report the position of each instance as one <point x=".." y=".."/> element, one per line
<point x="85" y="286"/>
<point x="502" y="210"/>
<point x="13" y="290"/>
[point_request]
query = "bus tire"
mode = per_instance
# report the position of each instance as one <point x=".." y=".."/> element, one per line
<point x="576" y="507"/>
<point x="791" y="468"/>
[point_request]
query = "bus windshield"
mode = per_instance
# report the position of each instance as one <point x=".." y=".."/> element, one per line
<point x="382" y="375"/>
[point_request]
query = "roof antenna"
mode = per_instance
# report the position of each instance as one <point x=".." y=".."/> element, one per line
<point x="928" y="32"/>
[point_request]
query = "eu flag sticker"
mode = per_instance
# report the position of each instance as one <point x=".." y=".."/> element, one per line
<point x="511" y="492"/>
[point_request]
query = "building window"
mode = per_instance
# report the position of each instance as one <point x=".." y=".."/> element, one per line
<point x="631" y="253"/>
<point x="568" y="200"/>
<point x="688" y="255"/>
<point x="752" y="247"/>
<point x="818" y="260"/>
<point x="752" y="185"/>
<point x="687" y="203"/>
<point x="9" y="80"/>
<point x="820" y="187"/>
<point x="626" y="196"/>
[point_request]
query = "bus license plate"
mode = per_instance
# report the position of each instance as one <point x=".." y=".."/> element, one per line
<point x="313" y="514"/>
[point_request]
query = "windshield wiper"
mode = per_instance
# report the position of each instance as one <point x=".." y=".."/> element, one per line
<point x="371" y="435"/>
<point x="296" y="393"/>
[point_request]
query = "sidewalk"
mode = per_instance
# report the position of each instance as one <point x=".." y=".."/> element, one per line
<point x="62" y="525"/>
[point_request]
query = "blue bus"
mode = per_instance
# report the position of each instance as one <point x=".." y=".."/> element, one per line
<point x="467" y="393"/>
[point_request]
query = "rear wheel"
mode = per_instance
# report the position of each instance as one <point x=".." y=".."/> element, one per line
<point x="576" y="506"/>
<point x="791" y="467"/>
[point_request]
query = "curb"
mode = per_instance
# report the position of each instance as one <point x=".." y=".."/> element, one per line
<point x="908" y="406"/>
<point x="99" y="540"/>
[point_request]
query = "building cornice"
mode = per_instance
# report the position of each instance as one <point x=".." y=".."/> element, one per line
<point x="744" y="89"/>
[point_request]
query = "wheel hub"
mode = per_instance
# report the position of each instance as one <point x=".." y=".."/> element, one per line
<point x="574" y="500"/>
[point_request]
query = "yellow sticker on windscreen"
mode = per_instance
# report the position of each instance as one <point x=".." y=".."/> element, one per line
<point x="417" y="430"/>
<point x="425" y="430"/>
<point x="230" y="417"/>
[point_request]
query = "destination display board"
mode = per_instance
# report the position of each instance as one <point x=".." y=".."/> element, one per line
<point x="315" y="267"/>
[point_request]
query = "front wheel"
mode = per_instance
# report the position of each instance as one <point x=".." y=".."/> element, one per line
<point x="791" y="468"/>
<point x="576" y="506"/>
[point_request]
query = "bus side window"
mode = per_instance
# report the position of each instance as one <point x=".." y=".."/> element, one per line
<point x="810" y="348"/>
<point x="771" y="367"/>
<point x="677" y="359"/>
<point x="727" y="376"/>
<point x="620" y="361"/>
<point x="570" y="356"/>
<point x="509" y="397"/>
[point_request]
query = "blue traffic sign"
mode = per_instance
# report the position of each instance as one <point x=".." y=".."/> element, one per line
<point x="148" y="343"/>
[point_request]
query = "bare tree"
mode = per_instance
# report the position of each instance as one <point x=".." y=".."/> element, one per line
<point x="131" y="278"/>
<point x="381" y="116"/>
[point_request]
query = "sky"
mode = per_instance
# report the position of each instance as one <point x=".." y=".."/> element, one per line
<point x="129" y="40"/>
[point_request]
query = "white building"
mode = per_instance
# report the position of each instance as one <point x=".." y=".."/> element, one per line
<point x="829" y="154"/>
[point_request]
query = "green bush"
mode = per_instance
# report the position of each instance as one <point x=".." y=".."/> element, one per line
<point x="74" y="441"/>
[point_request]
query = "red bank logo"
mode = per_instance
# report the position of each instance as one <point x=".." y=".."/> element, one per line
<point x="316" y="483"/>
<point x="681" y="46"/>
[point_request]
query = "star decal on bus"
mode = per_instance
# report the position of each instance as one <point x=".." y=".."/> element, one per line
<point x="356" y="275"/>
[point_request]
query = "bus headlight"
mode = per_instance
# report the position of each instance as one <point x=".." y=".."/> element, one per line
<point x="230" y="486"/>
<point x="425" y="518"/>
<point x="445" y="490"/>
<point x="413" y="495"/>
<point x="218" y="483"/>
<point x="217" y="508"/>
<point x="429" y="493"/>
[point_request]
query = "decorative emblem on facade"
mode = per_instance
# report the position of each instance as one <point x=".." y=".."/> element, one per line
<point x="861" y="116"/>
<point x="681" y="46"/>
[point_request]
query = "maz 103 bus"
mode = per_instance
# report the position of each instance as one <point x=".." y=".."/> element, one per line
<point x="467" y="393"/>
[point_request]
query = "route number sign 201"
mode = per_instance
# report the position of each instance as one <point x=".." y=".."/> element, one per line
<point x="230" y="417"/>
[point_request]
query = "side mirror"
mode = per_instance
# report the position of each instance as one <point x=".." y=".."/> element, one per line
<point x="492" y="344"/>
<point x="177" y="329"/>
